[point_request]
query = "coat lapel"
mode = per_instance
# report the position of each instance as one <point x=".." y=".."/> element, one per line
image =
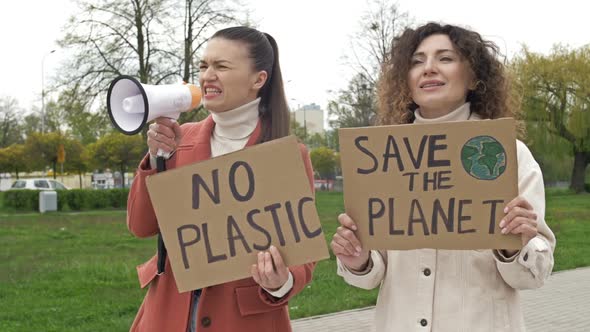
<point x="202" y="148"/>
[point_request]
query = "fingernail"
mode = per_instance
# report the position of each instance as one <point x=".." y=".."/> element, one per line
<point x="358" y="249"/>
<point x="272" y="247"/>
<point x="357" y="254"/>
<point x="504" y="230"/>
<point x="506" y="210"/>
<point x="354" y="227"/>
<point x="502" y="222"/>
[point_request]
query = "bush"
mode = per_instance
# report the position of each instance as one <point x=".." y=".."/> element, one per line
<point x="75" y="199"/>
<point x="61" y="202"/>
<point x="118" y="198"/>
<point x="22" y="200"/>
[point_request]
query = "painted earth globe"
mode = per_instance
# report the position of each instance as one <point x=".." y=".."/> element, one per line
<point x="483" y="157"/>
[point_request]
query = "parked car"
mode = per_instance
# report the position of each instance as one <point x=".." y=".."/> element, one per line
<point x="38" y="184"/>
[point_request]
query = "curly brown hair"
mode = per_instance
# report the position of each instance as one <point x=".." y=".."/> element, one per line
<point x="491" y="97"/>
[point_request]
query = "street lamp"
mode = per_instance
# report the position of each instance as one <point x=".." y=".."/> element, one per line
<point x="43" y="91"/>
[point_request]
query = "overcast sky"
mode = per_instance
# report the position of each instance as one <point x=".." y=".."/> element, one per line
<point x="313" y="36"/>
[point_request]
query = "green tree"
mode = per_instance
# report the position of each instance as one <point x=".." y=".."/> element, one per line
<point x="332" y="141"/>
<point x="324" y="162"/>
<point x="75" y="161"/>
<point x="31" y="124"/>
<point x="55" y="117"/>
<point x="82" y="124"/>
<point x="297" y="129"/>
<point x="14" y="159"/>
<point x="10" y="132"/>
<point x="119" y="151"/>
<point x="196" y="115"/>
<point x="556" y="102"/>
<point x="42" y="150"/>
<point x="355" y="106"/>
<point x="316" y="140"/>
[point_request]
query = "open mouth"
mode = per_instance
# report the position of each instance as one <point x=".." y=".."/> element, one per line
<point x="431" y="85"/>
<point x="212" y="92"/>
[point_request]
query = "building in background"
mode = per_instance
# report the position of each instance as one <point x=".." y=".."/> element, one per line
<point x="311" y="117"/>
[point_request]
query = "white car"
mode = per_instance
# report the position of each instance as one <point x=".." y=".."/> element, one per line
<point x="38" y="184"/>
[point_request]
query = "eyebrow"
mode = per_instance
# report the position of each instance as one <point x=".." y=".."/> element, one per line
<point x="216" y="62"/>
<point x="437" y="52"/>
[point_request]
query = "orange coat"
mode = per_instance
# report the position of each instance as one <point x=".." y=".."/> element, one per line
<point x="234" y="306"/>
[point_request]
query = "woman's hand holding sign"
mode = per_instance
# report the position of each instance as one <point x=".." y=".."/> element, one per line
<point x="520" y="219"/>
<point x="347" y="247"/>
<point x="271" y="272"/>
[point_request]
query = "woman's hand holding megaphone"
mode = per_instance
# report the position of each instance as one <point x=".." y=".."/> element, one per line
<point x="163" y="136"/>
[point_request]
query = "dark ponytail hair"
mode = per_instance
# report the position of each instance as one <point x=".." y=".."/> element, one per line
<point x="264" y="52"/>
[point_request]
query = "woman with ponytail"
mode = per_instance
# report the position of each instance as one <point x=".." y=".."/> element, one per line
<point x="242" y="88"/>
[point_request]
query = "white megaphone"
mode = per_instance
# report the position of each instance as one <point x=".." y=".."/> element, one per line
<point x="131" y="105"/>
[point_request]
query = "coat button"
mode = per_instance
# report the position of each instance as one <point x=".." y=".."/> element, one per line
<point x="206" y="321"/>
<point x="427" y="272"/>
<point x="423" y="322"/>
<point x="526" y="256"/>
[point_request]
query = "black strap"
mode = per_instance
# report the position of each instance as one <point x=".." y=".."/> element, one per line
<point x="162" y="252"/>
<point x="161" y="255"/>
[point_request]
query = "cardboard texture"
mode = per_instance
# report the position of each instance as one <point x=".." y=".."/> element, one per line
<point x="431" y="185"/>
<point x="216" y="215"/>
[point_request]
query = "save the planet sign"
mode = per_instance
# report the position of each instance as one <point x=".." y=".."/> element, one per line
<point x="440" y="186"/>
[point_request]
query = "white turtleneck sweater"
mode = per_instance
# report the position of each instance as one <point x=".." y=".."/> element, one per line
<point x="232" y="130"/>
<point x="463" y="113"/>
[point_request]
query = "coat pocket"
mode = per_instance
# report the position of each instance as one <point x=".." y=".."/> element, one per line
<point x="147" y="271"/>
<point x="249" y="301"/>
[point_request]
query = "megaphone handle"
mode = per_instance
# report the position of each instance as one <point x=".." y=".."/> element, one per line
<point x="162" y="252"/>
<point x="161" y="158"/>
<point x="160" y="163"/>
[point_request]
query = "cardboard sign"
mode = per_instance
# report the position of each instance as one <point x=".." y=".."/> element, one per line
<point x="441" y="185"/>
<point x="216" y="215"/>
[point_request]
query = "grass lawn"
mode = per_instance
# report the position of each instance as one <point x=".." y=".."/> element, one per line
<point x="76" y="271"/>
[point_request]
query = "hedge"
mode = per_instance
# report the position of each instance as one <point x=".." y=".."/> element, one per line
<point x="69" y="200"/>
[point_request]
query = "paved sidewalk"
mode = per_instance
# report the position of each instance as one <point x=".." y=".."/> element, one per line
<point x="562" y="304"/>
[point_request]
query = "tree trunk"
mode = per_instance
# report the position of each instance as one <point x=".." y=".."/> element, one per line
<point x="80" y="178"/>
<point x="188" y="42"/>
<point x="581" y="160"/>
<point x="122" y="176"/>
<point x="186" y="77"/>
<point x="55" y="169"/>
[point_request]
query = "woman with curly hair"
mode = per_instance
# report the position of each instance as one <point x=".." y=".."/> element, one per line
<point x="440" y="73"/>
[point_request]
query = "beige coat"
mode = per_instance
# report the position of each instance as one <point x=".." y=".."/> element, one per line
<point x="461" y="290"/>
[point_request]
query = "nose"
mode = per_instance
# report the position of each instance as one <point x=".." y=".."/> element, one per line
<point x="429" y="66"/>
<point x="209" y="74"/>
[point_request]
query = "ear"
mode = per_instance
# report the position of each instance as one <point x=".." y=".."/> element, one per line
<point x="473" y="81"/>
<point x="260" y="79"/>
